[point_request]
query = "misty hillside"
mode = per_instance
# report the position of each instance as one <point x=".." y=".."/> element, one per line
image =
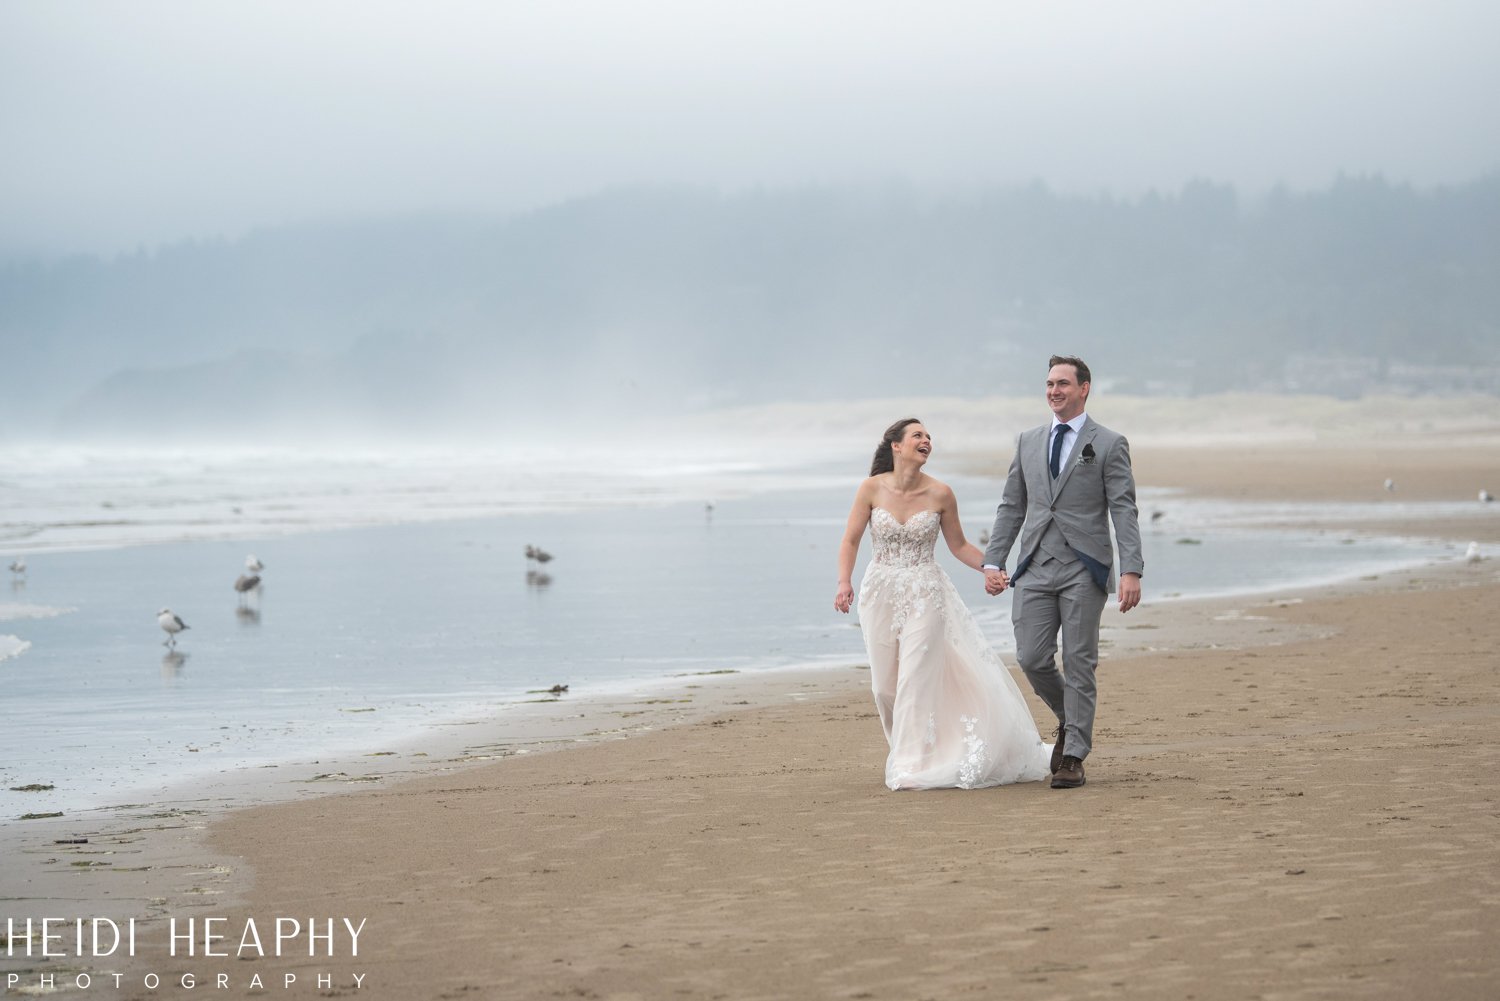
<point x="672" y="300"/>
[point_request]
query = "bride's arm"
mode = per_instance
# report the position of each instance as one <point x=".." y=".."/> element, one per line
<point x="859" y="518"/>
<point x="965" y="551"/>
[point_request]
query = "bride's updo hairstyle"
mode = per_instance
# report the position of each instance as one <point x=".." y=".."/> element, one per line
<point x="885" y="459"/>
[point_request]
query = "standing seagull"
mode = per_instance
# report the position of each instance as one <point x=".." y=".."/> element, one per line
<point x="1485" y="497"/>
<point x="246" y="583"/>
<point x="18" y="567"/>
<point x="171" y="624"/>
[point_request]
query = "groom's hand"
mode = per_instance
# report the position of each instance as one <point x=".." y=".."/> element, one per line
<point x="1130" y="591"/>
<point x="995" y="582"/>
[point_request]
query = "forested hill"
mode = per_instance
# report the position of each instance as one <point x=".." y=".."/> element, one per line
<point x="673" y="299"/>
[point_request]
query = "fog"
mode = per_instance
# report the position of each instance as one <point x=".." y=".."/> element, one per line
<point x="145" y="123"/>
<point x="272" y="221"/>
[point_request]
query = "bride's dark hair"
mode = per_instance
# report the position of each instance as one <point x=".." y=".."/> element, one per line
<point x="885" y="459"/>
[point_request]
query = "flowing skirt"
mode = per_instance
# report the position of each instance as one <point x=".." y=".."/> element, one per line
<point x="952" y="714"/>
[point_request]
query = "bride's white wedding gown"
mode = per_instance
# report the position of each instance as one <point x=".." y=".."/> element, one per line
<point x="952" y="714"/>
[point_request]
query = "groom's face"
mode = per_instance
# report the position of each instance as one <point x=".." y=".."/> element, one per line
<point x="1065" y="395"/>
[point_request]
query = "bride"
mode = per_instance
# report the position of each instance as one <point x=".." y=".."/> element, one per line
<point x="952" y="714"/>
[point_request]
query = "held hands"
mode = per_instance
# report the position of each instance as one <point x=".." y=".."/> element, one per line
<point x="1130" y="591"/>
<point x="844" y="598"/>
<point x="995" y="581"/>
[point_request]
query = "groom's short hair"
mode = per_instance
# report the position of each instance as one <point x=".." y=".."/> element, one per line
<point x="1078" y="366"/>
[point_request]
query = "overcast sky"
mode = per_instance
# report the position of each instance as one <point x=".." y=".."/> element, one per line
<point x="137" y="123"/>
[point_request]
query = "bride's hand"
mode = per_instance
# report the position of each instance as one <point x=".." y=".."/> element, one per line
<point x="844" y="599"/>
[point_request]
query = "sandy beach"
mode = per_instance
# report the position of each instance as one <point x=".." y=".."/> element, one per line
<point x="1291" y="796"/>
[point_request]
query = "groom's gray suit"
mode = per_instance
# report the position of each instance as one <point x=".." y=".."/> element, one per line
<point x="1065" y="569"/>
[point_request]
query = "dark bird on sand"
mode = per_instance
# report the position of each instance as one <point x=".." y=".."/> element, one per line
<point x="246" y="583"/>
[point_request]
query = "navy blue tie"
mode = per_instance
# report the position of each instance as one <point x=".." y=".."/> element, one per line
<point x="1057" y="443"/>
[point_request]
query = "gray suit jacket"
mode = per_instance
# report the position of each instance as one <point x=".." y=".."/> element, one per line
<point x="1095" y="488"/>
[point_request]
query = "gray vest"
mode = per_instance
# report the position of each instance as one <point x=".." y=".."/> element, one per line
<point x="1054" y="545"/>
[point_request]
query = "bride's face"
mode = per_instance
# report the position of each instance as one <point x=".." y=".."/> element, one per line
<point x="915" y="446"/>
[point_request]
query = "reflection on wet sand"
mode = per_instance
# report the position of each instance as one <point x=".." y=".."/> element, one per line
<point x="171" y="663"/>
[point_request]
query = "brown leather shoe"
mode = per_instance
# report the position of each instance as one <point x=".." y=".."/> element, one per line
<point x="1060" y="738"/>
<point x="1070" y="775"/>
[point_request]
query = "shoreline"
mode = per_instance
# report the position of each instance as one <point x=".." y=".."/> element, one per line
<point x="409" y="721"/>
<point x="186" y="849"/>
<point x="441" y="742"/>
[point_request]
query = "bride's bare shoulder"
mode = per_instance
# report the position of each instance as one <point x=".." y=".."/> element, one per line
<point x="937" y="487"/>
<point x="942" y="495"/>
<point x="870" y="487"/>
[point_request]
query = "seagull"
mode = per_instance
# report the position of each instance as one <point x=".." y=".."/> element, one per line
<point x="984" y="536"/>
<point x="246" y="583"/>
<point x="1484" y="498"/>
<point x="253" y="565"/>
<point x="18" y="567"/>
<point x="542" y="556"/>
<point x="1157" y="516"/>
<point x="1471" y="555"/>
<point x="171" y="624"/>
<point x="1390" y="485"/>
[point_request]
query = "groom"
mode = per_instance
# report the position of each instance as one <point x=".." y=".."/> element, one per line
<point x="1069" y="479"/>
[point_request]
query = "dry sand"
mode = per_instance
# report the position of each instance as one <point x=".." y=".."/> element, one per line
<point x="1308" y="811"/>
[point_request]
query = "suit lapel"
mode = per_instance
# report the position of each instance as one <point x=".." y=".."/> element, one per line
<point x="1085" y="436"/>
<point x="1037" y="456"/>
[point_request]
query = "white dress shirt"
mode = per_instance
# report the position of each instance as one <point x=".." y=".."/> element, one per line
<point x="1077" y="425"/>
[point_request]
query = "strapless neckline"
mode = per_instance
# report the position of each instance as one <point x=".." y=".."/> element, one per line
<point x="898" y="521"/>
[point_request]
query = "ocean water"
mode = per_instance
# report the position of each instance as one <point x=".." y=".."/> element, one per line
<point x="398" y="596"/>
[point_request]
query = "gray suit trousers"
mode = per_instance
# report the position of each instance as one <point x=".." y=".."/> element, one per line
<point x="1053" y="596"/>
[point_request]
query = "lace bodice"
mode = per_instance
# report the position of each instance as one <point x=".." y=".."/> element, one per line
<point x="903" y="575"/>
<point x="900" y="545"/>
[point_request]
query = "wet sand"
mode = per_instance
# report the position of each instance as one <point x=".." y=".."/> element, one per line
<point x="1291" y="796"/>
